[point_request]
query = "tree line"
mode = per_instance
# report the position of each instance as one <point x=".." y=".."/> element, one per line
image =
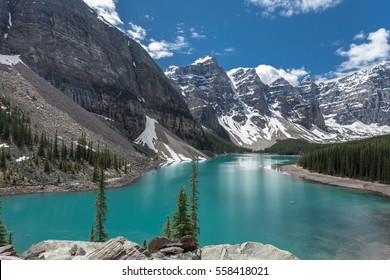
<point x="367" y="159"/>
<point x="50" y="151"/>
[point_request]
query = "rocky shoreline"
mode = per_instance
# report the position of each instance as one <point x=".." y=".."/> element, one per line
<point x="160" y="248"/>
<point x="111" y="183"/>
<point x="298" y="171"/>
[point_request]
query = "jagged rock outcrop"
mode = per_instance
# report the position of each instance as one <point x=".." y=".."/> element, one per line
<point x="119" y="248"/>
<point x="161" y="248"/>
<point x="8" y="253"/>
<point x="95" y="64"/>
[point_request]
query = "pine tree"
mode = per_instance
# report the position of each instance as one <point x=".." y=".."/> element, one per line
<point x="64" y="151"/>
<point x="71" y="153"/>
<point x="167" y="228"/>
<point x="126" y="168"/>
<point x="194" y="203"/>
<point x="95" y="174"/>
<point x="10" y="239"/>
<point x="92" y="234"/>
<point x="3" y="228"/>
<point x="47" y="166"/>
<point x="145" y="244"/>
<point x="41" y="149"/>
<point x="181" y="221"/>
<point x="101" y="211"/>
<point x="3" y="162"/>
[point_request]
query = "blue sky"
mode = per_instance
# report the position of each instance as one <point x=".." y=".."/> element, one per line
<point x="323" y="38"/>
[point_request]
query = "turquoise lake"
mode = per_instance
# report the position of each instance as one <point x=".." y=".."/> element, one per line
<point x="242" y="198"/>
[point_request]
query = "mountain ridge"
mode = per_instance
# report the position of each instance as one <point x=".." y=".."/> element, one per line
<point x="266" y="112"/>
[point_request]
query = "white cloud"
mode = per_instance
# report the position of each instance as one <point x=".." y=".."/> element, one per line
<point x="289" y="8"/>
<point x="361" y="56"/>
<point x="269" y="74"/>
<point x="225" y="51"/>
<point x="360" y="36"/>
<point x="229" y="50"/>
<point x="197" y="35"/>
<point x="161" y="49"/>
<point x="149" y="17"/>
<point x="136" y="32"/>
<point x="366" y="54"/>
<point x="106" y="9"/>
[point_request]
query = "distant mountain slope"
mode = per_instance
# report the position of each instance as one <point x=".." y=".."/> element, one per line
<point x="95" y="64"/>
<point x="362" y="97"/>
<point x="255" y="114"/>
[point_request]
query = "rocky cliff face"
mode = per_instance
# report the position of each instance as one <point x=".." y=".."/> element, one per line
<point x="95" y="64"/>
<point x="362" y="97"/>
<point x="208" y="92"/>
<point x="255" y="114"/>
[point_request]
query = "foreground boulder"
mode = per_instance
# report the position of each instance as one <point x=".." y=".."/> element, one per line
<point x="163" y="248"/>
<point x="119" y="248"/>
<point x="60" y="250"/>
<point x="245" y="251"/>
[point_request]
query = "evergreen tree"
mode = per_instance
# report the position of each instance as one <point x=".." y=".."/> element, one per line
<point x="10" y="239"/>
<point x="95" y="174"/>
<point x="145" y="244"/>
<point x="92" y="234"/>
<point x="194" y="203"/>
<point x="167" y="228"/>
<point x="41" y="149"/>
<point x="101" y="211"/>
<point x="3" y="162"/>
<point x="47" y="166"/>
<point x="3" y="229"/>
<point x="126" y="168"/>
<point x="64" y="151"/>
<point x="181" y="221"/>
<point x="71" y="153"/>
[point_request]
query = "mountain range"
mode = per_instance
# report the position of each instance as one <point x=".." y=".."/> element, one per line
<point x="58" y="48"/>
<point x="237" y="105"/>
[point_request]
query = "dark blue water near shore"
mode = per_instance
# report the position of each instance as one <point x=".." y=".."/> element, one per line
<point x="242" y="198"/>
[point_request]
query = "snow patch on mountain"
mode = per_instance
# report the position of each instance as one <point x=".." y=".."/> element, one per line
<point x="166" y="145"/>
<point x="148" y="136"/>
<point x="357" y="130"/>
<point x="23" y="158"/>
<point x="177" y="157"/>
<point x="9" y="20"/>
<point x="10" y="59"/>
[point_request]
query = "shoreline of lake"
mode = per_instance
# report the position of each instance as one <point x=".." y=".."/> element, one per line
<point x="111" y="183"/>
<point x="297" y="171"/>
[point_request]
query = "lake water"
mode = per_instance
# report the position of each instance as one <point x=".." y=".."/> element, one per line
<point x="242" y="198"/>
